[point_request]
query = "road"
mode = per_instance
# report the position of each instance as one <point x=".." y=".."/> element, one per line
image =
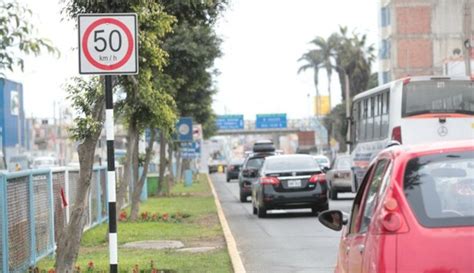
<point x="291" y="241"/>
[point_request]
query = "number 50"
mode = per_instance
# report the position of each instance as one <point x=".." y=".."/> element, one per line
<point x="103" y="42"/>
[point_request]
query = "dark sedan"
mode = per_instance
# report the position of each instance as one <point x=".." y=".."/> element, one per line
<point x="233" y="169"/>
<point x="289" y="182"/>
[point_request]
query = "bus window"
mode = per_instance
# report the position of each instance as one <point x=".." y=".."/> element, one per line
<point x="355" y="122"/>
<point x="370" y="120"/>
<point x="384" y="124"/>
<point x="363" y="135"/>
<point x="425" y="97"/>
<point x="377" y="117"/>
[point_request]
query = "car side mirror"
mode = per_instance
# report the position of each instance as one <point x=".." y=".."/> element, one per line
<point x="332" y="219"/>
<point x="326" y="169"/>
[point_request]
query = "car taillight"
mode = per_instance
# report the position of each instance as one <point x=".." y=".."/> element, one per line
<point x="269" y="180"/>
<point x="397" y="134"/>
<point x="391" y="218"/>
<point x="318" y="178"/>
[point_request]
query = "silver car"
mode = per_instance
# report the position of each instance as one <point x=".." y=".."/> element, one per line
<point x="339" y="177"/>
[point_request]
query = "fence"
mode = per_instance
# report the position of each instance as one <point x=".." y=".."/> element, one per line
<point x="32" y="214"/>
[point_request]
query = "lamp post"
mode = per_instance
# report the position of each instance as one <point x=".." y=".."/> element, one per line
<point x="348" y="103"/>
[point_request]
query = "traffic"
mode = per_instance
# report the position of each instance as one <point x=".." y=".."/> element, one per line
<point x="415" y="163"/>
<point x="229" y="136"/>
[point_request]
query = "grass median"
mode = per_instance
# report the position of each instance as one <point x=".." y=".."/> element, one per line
<point x="189" y="216"/>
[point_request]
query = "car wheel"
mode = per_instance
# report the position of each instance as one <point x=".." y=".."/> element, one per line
<point x="333" y="194"/>
<point x="228" y="180"/>
<point x="243" y="197"/>
<point x="261" y="212"/>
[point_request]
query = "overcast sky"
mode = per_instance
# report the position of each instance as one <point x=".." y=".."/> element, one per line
<point x="263" y="40"/>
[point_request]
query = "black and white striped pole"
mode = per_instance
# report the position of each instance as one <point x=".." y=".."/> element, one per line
<point x="108" y="46"/>
<point x="110" y="133"/>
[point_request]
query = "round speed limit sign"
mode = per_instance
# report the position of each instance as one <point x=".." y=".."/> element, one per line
<point x="108" y="44"/>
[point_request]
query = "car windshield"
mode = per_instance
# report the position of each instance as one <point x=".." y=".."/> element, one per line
<point x="291" y="163"/>
<point x="255" y="162"/>
<point x="343" y="163"/>
<point x="440" y="189"/>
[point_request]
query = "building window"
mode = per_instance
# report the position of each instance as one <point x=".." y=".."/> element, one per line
<point x="385" y="49"/>
<point x="386" y="77"/>
<point x="385" y="16"/>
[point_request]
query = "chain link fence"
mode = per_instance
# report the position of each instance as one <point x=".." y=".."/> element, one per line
<point x="34" y="209"/>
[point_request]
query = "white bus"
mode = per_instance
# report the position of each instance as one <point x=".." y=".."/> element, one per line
<point x="410" y="110"/>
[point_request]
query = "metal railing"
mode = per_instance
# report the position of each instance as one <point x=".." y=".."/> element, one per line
<point x="32" y="214"/>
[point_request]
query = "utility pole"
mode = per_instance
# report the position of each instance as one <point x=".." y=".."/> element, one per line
<point x="467" y="29"/>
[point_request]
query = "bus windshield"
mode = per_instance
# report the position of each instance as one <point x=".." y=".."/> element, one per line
<point x="438" y="96"/>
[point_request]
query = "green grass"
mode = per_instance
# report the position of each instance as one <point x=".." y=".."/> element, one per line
<point x="202" y="225"/>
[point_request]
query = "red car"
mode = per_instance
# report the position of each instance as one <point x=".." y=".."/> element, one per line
<point x="414" y="212"/>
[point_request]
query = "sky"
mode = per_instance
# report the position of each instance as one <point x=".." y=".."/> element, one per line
<point x="262" y="41"/>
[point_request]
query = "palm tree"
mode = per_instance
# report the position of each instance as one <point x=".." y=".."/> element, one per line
<point x="327" y="49"/>
<point x="313" y="61"/>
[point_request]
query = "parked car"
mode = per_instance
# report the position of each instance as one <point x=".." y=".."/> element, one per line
<point x="233" y="169"/>
<point x="413" y="212"/>
<point x="339" y="176"/>
<point x="323" y="161"/>
<point x="251" y="166"/>
<point x="289" y="182"/>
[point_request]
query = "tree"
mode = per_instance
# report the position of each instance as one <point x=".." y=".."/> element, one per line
<point x="192" y="47"/>
<point x="16" y="33"/>
<point x="147" y="103"/>
<point x="88" y="100"/>
<point x="144" y="102"/>
<point x="314" y="60"/>
<point x="327" y="51"/>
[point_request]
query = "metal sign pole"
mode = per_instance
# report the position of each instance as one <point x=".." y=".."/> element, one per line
<point x="109" y="129"/>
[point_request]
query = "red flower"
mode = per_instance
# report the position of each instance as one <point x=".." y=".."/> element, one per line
<point x="123" y="216"/>
<point x="165" y="217"/>
<point x="90" y="265"/>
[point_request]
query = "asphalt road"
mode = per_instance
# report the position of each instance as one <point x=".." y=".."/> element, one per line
<point x="285" y="241"/>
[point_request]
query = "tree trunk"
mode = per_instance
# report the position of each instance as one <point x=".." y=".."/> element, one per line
<point x="135" y="164"/>
<point x="170" y="168"/>
<point x="179" y="167"/>
<point x="70" y="238"/>
<point x="161" y="177"/>
<point x="127" y="176"/>
<point x="137" y="191"/>
<point x="329" y="90"/>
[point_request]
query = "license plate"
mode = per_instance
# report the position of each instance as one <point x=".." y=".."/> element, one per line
<point x="294" y="183"/>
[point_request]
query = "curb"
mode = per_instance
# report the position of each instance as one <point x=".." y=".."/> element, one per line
<point x="237" y="264"/>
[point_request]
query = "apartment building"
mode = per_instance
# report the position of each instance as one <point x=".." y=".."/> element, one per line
<point x="424" y="37"/>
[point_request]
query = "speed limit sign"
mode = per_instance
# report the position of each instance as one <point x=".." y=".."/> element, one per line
<point x="108" y="44"/>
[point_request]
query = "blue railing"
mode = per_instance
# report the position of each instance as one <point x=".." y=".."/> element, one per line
<point x="32" y="214"/>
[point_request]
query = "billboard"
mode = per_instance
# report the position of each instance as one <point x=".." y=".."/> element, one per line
<point x="321" y="106"/>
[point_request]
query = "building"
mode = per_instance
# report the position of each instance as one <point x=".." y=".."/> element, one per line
<point x="424" y="37"/>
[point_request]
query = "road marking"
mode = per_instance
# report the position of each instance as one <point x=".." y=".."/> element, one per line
<point x="229" y="238"/>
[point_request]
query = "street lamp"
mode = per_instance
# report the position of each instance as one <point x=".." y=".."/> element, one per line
<point x="348" y="104"/>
